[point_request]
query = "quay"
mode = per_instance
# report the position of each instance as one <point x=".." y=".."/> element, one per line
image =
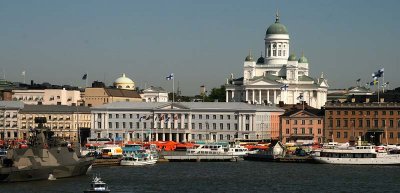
<point x="286" y="159"/>
<point x="176" y="156"/>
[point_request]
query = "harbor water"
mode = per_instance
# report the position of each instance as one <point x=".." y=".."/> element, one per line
<point x="242" y="176"/>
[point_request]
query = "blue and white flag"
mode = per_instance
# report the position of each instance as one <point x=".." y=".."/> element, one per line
<point x="378" y="74"/>
<point x="170" y="77"/>
<point x="284" y="87"/>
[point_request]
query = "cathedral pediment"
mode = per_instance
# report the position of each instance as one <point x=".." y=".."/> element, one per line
<point x="264" y="82"/>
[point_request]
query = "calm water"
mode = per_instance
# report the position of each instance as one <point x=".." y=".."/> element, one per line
<point x="242" y="176"/>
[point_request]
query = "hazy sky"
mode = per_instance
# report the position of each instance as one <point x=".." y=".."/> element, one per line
<point x="202" y="42"/>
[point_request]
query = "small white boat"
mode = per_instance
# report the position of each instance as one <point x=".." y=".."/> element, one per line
<point x="138" y="159"/>
<point x="97" y="186"/>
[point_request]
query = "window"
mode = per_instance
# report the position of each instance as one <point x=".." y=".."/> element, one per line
<point x="330" y="123"/>
<point x="117" y="116"/>
<point x="330" y="112"/>
<point x="123" y="125"/>
<point x="337" y="122"/>
<point x="368" y="113"/>
<point x="109" y="124"/>
<point x="200" y="126"/>
<point x="383" y="112"/>
<point x="287" y="122"/>
<point x="391" y="112"/>
<point x="123" y="116"/>
<point x="207" y="116"/>
<point x="346" y="113"/>
<point x="193" y="117"/>
<point x="295" y="122"/>
<point x="130" y="125"/>
<point x="228" y="117"/>
<point x="207" y="126"/>
<point x="214" y="126"/>
<point x="303" y="122"/>
<point x="137" y="125"/>
<point x="353" y="112"/>
<point x="294" y="130"/>
<point x="360" y="123"/>
<point x="384" y="123"/>
<point x="236" y="117"/>
<point x="221" y="117"/>
<point x="247" y="127"/>
<point x="221" y="137"/>
<point x="338" y="135"/>
<point x="391" y="135"/>
<point x="200" y="116"/>
<point x="117" y="125"/>
<point x="303" y="130"/>
<point x="193" y="126"/>
<point x="287" y="131"/>
<point x="345" y="134"/>
<point x="145" y="125"/>
<point x="214" y="116"/>
<point x="110" y="116"/>
<point x="310" y="122"/>
<point x="391" y="123"/>
<point x="376" y="123"/>
<point x="130" y="116"/>
<point x="319" y="122"/>
<point x="228" y="126"/>
<point x="375" y="112"/>
<point x="368" y="123"/>
<point x="310" y="131"/>
<point x="137" y="116"/>
<point x="98" y="116"/>
<point x="99" y="125"/>
<point x="337" y="112"/>
<point x="236" y="126"/>
<point x="247" y="117"/>
<point x="221" y="126"/>
<point x="319" y="130"/>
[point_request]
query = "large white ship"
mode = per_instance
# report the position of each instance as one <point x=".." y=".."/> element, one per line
<point x="356" y="155"/>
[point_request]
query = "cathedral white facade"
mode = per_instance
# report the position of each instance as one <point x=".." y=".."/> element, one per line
<point x="279" y="76"/>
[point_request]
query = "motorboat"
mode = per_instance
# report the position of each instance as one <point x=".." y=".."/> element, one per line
<point x="139" y="158"/>
<point x="97" y="186"/>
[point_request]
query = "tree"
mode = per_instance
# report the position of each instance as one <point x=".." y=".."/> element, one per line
<point x="216" y="94"/>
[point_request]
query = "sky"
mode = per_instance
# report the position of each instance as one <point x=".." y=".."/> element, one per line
<point x="201" y="42"/>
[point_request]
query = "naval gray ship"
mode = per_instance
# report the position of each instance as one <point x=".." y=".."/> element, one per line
<point x="46" y="157"/>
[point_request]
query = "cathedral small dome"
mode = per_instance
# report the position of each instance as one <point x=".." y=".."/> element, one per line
<point x="292" y="57"/>
<point x="260" y="60"/>
<point x="303" y="59"/>
<point x="249" y="58"/>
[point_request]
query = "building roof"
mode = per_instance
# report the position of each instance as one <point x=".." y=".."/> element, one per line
<point x="292" y="57"/>
<point x="305" y="78"/>
<point x="114" y="92"/>
<point x="231" y="106"/>
<point x="11" y="105"/>
<point x="153" y="89"/>
<point x="54" y="109"/>
<point x="313" y="111"/>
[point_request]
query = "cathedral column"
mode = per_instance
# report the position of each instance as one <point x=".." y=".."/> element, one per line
<point x="233" y="96"/>
<point x="259" y="96"/>
<point x="226" y="96"/>
<point x="267" y="96"/>
<point x="274" y="96"/>
<point x="252" y="96"/>
<point x="250" y="122"/>
<point x="247" y="95"/>
<point x="240" y="122"/>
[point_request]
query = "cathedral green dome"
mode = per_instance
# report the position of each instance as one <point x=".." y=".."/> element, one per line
<point x="249" y="58"/>
<point x="292" y="57"/>
<point x="277" y="28"/>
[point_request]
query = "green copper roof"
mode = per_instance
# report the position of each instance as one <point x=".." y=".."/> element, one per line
<point x="277" y="28"/>
<point x="249" y="58"/>
<point x="303" y="59"/>
<point x="292" y="57"/>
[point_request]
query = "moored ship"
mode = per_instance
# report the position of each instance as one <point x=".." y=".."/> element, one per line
<point x="45" y="156"/>
<point x="357" y="155"/>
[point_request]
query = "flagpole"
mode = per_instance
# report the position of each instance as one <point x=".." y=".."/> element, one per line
<point x="86" y="80"/>
<point x="173" y="90"/>
<point x="378" y="91"/>
<point x="383" y="80"/>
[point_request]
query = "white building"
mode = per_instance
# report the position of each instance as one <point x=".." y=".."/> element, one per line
<point x="47" y="96"/>
<point x="280" y="76"/>
<point x="154" y="94"/>
<point x="187" y="121"/>
<point x="9" y="119"/>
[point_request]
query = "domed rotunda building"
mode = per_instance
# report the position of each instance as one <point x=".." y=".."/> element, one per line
<point x="124" y="82"/>
<point x="278" y="76"/>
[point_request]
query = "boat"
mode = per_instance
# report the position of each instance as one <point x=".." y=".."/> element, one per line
<point x="238" y="150"/>
<point x="45" y="156"/>
<point x="356" y="155"/>
<point x="139" y="158"/>
<point x="97" y="186"/>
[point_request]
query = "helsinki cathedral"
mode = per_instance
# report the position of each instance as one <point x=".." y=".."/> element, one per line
<point x="279" y="76"/>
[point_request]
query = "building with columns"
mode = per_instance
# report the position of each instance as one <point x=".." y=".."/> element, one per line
<point x="186" y="121"/>
<point x="279" y="76"/>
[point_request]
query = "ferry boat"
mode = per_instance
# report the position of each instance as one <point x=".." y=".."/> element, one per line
<point x="356" y="155"/>
<point x="97" y="186"/>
